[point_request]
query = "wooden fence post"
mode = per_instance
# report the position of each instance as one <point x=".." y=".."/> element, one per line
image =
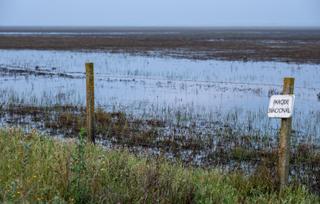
<point x="90" y="102"/>
<point x="284" y="142"/>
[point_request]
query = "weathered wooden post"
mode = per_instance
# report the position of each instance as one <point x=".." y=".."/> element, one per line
<point x="281" y="106"/>
<point x="284" y="142"/>
<point x="90" y="102"/>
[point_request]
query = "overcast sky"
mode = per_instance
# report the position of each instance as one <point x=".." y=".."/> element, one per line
<point x="160" y="13"/>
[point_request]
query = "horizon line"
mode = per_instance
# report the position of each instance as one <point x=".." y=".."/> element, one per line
<point x="152" y="26"/>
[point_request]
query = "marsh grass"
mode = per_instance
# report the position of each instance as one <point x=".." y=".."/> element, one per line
<point x="35" y="168"/>
<point x="214" y="143"/>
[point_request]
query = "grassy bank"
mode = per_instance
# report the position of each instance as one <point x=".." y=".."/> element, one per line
<point x="37" y="169"/>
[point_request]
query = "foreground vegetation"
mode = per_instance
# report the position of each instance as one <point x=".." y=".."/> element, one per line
<point x="36" y="168"/>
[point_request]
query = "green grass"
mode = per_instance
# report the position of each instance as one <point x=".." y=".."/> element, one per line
<point x="35" y="168"/>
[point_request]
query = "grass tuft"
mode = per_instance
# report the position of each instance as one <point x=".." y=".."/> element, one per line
<point x="35" y="168"/>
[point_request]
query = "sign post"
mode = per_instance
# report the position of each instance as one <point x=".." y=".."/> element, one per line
<point x="90" y="102"/>
<point x="281" y="106"/>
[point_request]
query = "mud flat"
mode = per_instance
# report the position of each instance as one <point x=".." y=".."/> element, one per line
<point x="286" y="45"/>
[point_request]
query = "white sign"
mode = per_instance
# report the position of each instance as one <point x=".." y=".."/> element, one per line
<point x="281" y="106"/>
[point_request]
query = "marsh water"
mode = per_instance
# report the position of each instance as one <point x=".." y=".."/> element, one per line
<point x="161" y="87"/>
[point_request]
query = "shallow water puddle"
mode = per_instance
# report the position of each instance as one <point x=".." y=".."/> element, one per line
<point x="159" y="86"/>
